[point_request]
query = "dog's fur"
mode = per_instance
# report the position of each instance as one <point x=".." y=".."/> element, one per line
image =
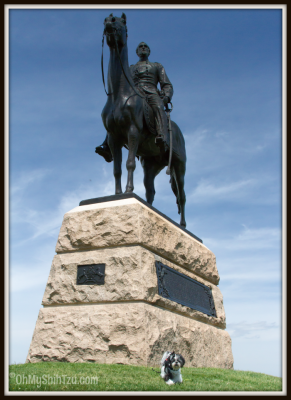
<point x="171" y="365"/>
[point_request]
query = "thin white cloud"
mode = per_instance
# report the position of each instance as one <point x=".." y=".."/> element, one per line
<point x="250" y="330"/>
<point x="209" y="192"/>
<point x="248" y="239"/>
<point x="24" y="278"/>
<point x="249" y="266"/>
<point x="256" y="276"/>
<point x="48" y="221"/>
<point x="220" y="150"/>
<point x="25" y="179"/>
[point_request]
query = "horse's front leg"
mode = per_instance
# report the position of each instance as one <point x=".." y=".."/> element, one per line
<point x="116" y="150"/>
<point x="133" y="142"/>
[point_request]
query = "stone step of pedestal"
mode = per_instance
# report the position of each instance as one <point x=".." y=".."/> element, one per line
<point x="129" y="273"/>
<point x="131" y="222"/>
<point x="134" y="333"/>
<point x="123" y="196"/>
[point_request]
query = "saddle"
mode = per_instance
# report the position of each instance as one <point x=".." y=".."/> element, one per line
<point x="151" y="122"/>
<point x="149" y="117"/>
<point x="154" y="124"/>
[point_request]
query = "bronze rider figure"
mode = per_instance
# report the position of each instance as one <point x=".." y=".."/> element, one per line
<point x="146" y="76"/>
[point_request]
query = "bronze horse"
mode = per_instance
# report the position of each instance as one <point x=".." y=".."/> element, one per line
<point x="124" y="120"/>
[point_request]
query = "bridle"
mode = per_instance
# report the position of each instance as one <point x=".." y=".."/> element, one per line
<point x="115" y="31"/>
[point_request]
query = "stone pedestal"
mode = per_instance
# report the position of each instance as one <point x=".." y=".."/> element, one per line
<point x="124" y="316"/>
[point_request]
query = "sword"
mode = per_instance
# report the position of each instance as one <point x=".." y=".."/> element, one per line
<point x="168" y="110"/>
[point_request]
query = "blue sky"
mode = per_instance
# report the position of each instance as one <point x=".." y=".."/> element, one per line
<point x="225" y="66"/>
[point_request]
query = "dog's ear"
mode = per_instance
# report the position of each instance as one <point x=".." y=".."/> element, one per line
<point x="182" y="359"/>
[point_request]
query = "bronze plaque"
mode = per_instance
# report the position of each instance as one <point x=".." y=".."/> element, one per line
<point x="184" y="290"/>
<point x="92" y="274"/>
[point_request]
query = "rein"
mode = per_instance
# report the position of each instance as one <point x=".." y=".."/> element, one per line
<point x="102" y="66"/>
<point x="168" y="111"/>
<point x="116" y="48"/>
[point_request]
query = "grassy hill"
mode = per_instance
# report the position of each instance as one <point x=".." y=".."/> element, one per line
<point x="56" y="376"/>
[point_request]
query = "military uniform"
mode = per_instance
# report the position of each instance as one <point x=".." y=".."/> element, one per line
<point x="146" y="76"/>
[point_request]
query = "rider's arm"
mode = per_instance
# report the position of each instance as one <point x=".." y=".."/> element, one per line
<point x="165" y="83"/>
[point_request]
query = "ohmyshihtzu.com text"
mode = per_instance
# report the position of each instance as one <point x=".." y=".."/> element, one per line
<point x="47" y="379"/>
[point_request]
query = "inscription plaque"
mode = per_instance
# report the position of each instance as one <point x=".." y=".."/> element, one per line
<point x="184" y="290"/>
<point x="92" y="274"/>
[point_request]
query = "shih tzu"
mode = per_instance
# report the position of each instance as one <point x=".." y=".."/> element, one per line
<point x="171" y="365"/>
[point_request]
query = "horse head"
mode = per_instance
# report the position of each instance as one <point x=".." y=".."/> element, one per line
<point x="115" y="30"/>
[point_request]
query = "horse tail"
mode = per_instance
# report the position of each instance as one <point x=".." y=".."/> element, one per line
<point x="175" y="188"/>
<point x="179" y="158"/>
<point x="179" y="148"/>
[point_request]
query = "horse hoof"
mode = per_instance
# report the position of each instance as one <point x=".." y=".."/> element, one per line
<point x="129" y="190"/>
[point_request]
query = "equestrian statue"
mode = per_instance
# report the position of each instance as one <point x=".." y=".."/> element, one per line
<point x="137" y="116"/>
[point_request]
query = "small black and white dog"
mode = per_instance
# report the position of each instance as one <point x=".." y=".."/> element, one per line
<point x="171" y="365"/>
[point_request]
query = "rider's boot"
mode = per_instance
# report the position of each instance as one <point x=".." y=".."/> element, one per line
<point x="104" y="151"/>
<point x="160" y="139"/>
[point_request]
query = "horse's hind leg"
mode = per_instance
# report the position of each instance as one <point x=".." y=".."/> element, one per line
<point x="151" y="169"/>
<point x="177" y="182"/>
<point x="116" y="150"/>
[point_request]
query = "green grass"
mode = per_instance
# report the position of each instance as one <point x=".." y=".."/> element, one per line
<point x="132" y="378"/>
